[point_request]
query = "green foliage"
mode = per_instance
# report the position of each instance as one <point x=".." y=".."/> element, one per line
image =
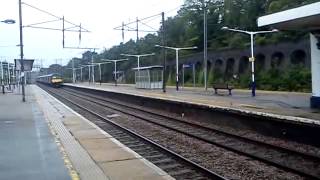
<point x="186" y="29"/>
<point x="171" y="79"/>
<point x="200" y="79"/>
<point x="211" y="77"/>
<point x="237" y="41"/>
<point x="296" y="78"/>
<point x="279" y="5"/>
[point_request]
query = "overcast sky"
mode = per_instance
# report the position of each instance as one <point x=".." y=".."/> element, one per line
<point x="98" y="16"/>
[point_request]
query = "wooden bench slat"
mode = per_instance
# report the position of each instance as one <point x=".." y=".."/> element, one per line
<point x="222" y="86"/>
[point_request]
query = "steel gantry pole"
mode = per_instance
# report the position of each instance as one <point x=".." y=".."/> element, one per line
<point x="21" y="52"/>
<point x="252" y="59"/>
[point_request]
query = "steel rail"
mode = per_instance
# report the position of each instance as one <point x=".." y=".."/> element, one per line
<point x="285" y="150"/>
<point x="202" y="169"/>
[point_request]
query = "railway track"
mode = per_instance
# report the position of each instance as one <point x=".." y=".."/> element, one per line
<point x="174" y="164"/>
<point x="304" y="164"/>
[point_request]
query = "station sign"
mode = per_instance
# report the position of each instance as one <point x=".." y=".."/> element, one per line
<point x="27" y="64"/>
<point x="187" y="65"/>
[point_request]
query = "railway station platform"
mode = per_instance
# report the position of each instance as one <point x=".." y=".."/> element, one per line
<point x="44" y="139"/>
<point x="27" y="148"/>
<point x="284" y="105"/>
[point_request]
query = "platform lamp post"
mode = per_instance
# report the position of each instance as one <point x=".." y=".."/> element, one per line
<point x="115" y="67"/>
<point x="251" y="33"/>
<point x="99" y="64"/>
<point x="7" y="21"/>
<point x="2" y="83"/>
<point x="84" y="66"/>
<point x="89" y="67"/>
<point x="81" y="67"/>
<point x="21" y="52"/>
<point x="177" y="60"/>
<point x="74" y="74"/>
<point x="138" y="57"/>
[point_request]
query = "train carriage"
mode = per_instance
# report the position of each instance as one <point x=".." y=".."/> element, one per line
<point x="54" y="80"/>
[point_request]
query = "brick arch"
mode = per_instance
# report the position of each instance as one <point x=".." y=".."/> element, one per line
<point x="298" y="57"/>
<point x="218" y="65"/>
<point x="277" y="60"/>
<point x="260" y="61"/>
<point x="243" y="64"/>
<point x="230" y="67"/>
<point x="209" y="65"/>
<point x="198" y="65"/>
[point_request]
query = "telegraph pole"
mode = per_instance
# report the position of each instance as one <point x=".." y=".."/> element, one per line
<point x="122" y="32"/>
<point x="21" y="52"/>
<point x="137" y="29"/>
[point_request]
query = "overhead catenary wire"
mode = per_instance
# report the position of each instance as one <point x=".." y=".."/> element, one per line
<point x="125" y="26"/>
<point x="72" y="27"/>
<point x="48" y="13"/>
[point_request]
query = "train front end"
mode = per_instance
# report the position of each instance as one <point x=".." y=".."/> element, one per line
<point x="56" y="81"/>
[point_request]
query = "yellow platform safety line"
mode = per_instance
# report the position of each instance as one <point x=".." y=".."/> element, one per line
<point x="72" y="172"/>
<point x="251" y="106"/>
<point x="172" y="97"/>
<point x="204" y="102"/>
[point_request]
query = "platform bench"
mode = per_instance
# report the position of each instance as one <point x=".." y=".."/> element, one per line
<point x="222" y="86"/>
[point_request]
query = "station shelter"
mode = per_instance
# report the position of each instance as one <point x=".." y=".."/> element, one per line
<point x="150" y="77"/>
<point x="304" y="18"/>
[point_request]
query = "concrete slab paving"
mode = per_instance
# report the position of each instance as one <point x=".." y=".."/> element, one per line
<point x="112" y="154"/>
<point x="88" y="134"/>
<point x="28" y="150"/>
<point x="98" y="144"/>
<point x="82" y="162"/>
<point x="118" y="170"/>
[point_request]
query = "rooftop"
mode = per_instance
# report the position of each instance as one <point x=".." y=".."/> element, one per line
<point x="293" y="19"/>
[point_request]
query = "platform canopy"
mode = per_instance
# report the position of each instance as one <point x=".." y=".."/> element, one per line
<point x="148" y="67"/>
<point x="306" y="18"/>
<point x="301" y="18"/>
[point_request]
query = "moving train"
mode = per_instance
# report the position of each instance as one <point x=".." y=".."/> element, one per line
<point x="54" y="80"/>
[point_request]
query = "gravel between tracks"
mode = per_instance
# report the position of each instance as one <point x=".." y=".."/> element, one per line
<point x="226" y="163"/>
<point x="304" y="148"/>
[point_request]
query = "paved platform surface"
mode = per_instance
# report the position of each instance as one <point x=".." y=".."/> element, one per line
<point x="281" y="104"/>
<point x="93" y="152"/>
<point x="28" y="150"/>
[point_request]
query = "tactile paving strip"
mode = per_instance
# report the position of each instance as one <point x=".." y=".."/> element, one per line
<point x="81" y="160"/>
